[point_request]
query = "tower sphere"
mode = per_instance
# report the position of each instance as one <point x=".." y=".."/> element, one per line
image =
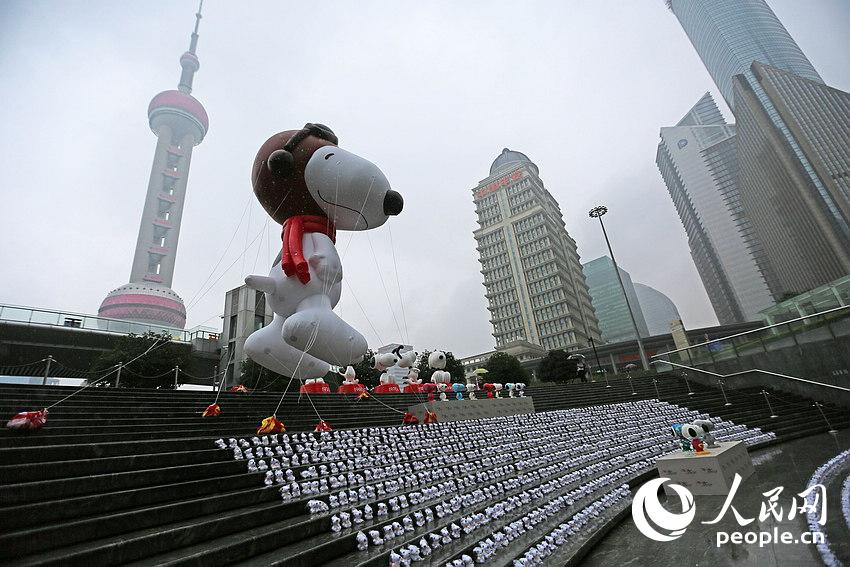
<point x="169" y="104"/>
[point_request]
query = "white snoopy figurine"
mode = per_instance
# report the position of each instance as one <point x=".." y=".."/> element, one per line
<point x="313" y="188"/>
<point x="440" y="377"/>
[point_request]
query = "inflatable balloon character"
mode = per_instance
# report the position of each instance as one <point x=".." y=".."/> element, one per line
<point x="315" y="386"/>
<point x="405" y="359"/>
<point x="414" y="383"/>
<point x="510" y="388"/>
<point x="497" y="387"/>
<point x="441" y="378"/>
<point x="381" y="362"/>
<point x="386" y="386"/>
<point x="458" y="389"/>
<point x="694" y="433"/>
<point x="313" y="188"/>
<point x="707" y="427"/>
<point x="350" y="383"/>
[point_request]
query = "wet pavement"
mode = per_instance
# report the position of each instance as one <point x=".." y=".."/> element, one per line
<point x="789" y="465"/>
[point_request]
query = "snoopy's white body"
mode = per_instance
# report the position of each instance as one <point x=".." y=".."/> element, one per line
<point x="306" y="336"/>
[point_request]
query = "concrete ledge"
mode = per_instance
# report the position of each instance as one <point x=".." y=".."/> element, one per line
<point x="460" y="410"/>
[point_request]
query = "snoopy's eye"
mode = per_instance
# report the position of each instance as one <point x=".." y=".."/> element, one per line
<point x="329" y="155"/>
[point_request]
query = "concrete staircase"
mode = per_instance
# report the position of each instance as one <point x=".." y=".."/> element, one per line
<point x="122" y="476"/>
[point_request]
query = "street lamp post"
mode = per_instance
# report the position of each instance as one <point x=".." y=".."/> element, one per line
<point x="596" y="213"/>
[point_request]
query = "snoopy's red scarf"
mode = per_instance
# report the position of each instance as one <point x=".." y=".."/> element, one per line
<point x="292" y="255"/>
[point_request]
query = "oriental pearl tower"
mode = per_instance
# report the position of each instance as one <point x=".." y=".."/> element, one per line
<point x="179" y="122"/>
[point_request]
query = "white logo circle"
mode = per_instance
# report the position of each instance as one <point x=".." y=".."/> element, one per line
<point x="645" y="503"/>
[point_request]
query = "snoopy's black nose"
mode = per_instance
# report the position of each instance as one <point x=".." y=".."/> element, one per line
<point x="393" y="203"/>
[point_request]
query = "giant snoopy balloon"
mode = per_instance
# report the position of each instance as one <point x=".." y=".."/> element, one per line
<point x="313" y="188"/>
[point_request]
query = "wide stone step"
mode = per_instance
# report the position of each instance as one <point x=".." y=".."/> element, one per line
<point x="64" y="509"/>
<point x="32" y="472"/>
<point x="28" y="492"/>
<point x="78" y="450"/>
<point x="202" y="524"/>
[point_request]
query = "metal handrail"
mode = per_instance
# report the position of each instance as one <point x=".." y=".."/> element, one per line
<point x="180" y="335"/>
<point x="828" y="311"/>
<point x="785" y="376"/>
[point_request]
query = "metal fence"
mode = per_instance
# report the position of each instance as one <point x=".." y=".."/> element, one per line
<point x="66" y="319"/>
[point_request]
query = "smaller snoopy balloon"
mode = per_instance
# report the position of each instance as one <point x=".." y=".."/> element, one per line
<point x="311" y="186"/>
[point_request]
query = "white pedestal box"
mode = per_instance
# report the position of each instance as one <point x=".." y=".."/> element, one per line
<point x="707" y="474"/>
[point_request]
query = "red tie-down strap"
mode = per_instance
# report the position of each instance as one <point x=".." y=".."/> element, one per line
<point x="213" y="410"/>
<point x="292" y="255"/>
<point x="271" y="425"/>
<point x="28" y="420"/>
<point x="409" y="419"/>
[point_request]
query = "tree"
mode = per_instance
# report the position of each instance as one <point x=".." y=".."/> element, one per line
<point x="367" y="375"/>
<point x="503" y="367"/>
<point x="556" y="366"/>
<point x="156" y="355"/>
<point x="453" y="367"/>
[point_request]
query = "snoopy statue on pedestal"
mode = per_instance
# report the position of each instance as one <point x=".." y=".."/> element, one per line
<point x="313" y="188"/>
<point x="441" y="378"/>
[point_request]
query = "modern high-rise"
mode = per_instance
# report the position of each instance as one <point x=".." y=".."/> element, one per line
<point x="697" y="159"/>
<point x="658" y="310"/>
<point x="532" y="273"/>
<point x="610" y="305"/>
<point x="245" y="311"/>
<point x="799" y="208"/>
<point x="729" y="35"/>
<point x="792" y="151"/>
<point x="180" y="123"/>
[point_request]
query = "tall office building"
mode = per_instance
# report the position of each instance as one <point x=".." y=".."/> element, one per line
<point x="180" y="123"/>
<point x="793" y="130"/>
<point x="245" y="311"/>
<point x="658" y="310"/>
<point x="729" y="35"/>
<point x="532" y="274"/>
<point x="697" y="159"/>
<point x="799" y="208"/>
<point x="611" y="309"/>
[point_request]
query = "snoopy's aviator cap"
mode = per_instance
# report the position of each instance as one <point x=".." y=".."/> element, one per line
<point x="284" y="196"/>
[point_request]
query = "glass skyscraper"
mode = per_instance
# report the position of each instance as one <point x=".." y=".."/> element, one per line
<point x="729" y="35"/>
<point x="658" y="310"/>
<point x="799" y="208"/>
<point x="609" y="303"/>
<point x="697" y="159"/>
<point x="793" y="141"/>
<point x="532" y="273"/>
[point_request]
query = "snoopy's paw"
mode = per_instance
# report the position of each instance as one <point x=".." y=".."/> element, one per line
<point x="328" y="271"/>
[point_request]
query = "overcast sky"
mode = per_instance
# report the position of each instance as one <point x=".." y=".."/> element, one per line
<point x="429" y="91"/>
